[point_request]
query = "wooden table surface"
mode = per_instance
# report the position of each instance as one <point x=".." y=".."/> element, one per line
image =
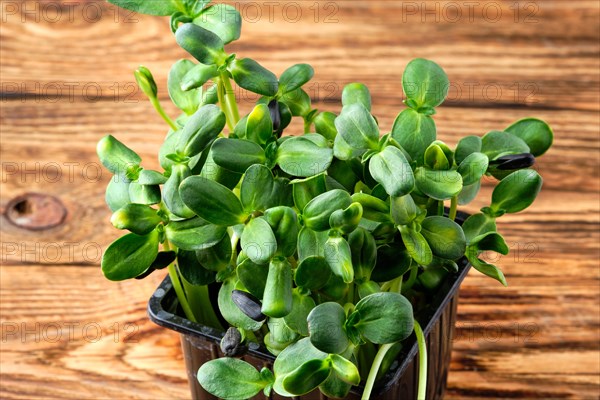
<point x="66" y="74"/>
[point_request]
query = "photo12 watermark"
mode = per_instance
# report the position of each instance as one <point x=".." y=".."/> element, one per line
<point x="95" y="11"/>
<point x="525" y="12"/>
<point x="67" y="331"/>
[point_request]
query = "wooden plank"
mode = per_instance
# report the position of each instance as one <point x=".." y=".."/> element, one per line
<point x="492" y="327"/>
<point x="516" y="59"/>
<point x="104" y="347"/>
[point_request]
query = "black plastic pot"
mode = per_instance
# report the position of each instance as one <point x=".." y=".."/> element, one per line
<point x="201" y="344"/>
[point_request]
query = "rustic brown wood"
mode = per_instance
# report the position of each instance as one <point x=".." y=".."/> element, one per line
<point x="66" y="82"/>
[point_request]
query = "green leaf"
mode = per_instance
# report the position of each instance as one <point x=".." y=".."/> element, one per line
<point x="237" y="154"/>
<point x="258" y="241"/>
<point x="305" y="190"/>
<point x="290" y="359"/>
<point x="317" y="212"/>
<point x="277" y="298"/>
<point x="307" y="377"/>
<point x="384" y="317"/>
<point x="146" y="82"/>
<point x="212" y="201"/>
<point x="194" y="77"/>
<point x="516" y="192"/>
<point x="468" y="193"/>
<point x="221" y="19"/>
<point x="364" y="253"/>
<point x="202" y="44"/>
<point x="214" y="172"/>
<point x="343" y="172"/>
<point x="117" y="193"/>
<point x="356" y="93"/>
<point x="200" y="129"/>
<point x="404" y="210"/>
<point x="171" y="196"/>
<point x="345" y="221"/>
<point x="252" y="76"/>
<point x="367" y="288"/>
<point x="439" y="185"/>
<point x="444" y="236"/>
<point x="187" y="101"/>
<point x="231" y="312"/>
<point x="253" y="276"/>
<point x="325" y="125"/>
<point x="298" y="101"/>
<point x="435" y="158"/>
<point x="117" y="158"/>
<point x="312" y="273"/>
<point x="160" y="8"/>
<point x="144" y="194"/>
<point x="335" y="388"/>
<point x="259" y="126"/>
<point x="343" y="151"/>
<point x="192" y="271"/>
<point x="391" y="169"/>
<point x="497" y="144"/>
<point x="345" y="369"/>
<point x="194" y="234"/>
<point x="335" y="289"/>
<point x="339" y="258"/>
<point x="473" y="167"/>
<point x="296" y="320"/>
<point x="284" y="223"/>
<point x="425" y="83"/>
<point x="490" y="241"/>
<point x="478" y="224"/>
<point x="485" y="268"/>
<point x="357" y="127"/>
<point x="257" y="189"/>
<point x="129" y="256"/>
<point x="374" y="209"/>
<point x="230" y="378"/>
<point x="294" y="77"/>
<point x="391" y="263"/>
<point x="535" y="132"/>
<point x="416" y="245"/>
<point x="466" y="146"/>
<point x="280" y="335"/>
<point x="216" y="257"/>
<point x="311" y="243"/>
<point x="326" y="328"/>
<point x="150" y="177"/>
<point x="138" y="218"/>
<point x="300" y="156"/>
<point x="414" y="132"/>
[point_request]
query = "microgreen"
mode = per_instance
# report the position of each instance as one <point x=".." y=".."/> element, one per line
<point x="319" y="245"/>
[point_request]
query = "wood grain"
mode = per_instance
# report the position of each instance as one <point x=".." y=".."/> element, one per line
<point x="66" y="83"/>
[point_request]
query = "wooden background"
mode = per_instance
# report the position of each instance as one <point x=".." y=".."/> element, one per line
<point x="66" y="74"/>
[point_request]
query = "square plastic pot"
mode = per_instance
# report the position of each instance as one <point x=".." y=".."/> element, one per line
<point x="201" y="344"/>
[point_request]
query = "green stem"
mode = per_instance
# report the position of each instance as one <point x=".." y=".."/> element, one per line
<point x="440" y="207"/>
<point x="201" y="306"/>
<point x="453" y="206"/>
<point x="223" y="103"/>
<point x="307" y="125"/>
<point x="174" y="275"/>
<point x="422" y="388"/>
<point x="414" y="269"/>
<point x="375" y="369"/>
<point x="230" y="99"/>
<point x="162" y="113"/>
<point x="180" y="293"/>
